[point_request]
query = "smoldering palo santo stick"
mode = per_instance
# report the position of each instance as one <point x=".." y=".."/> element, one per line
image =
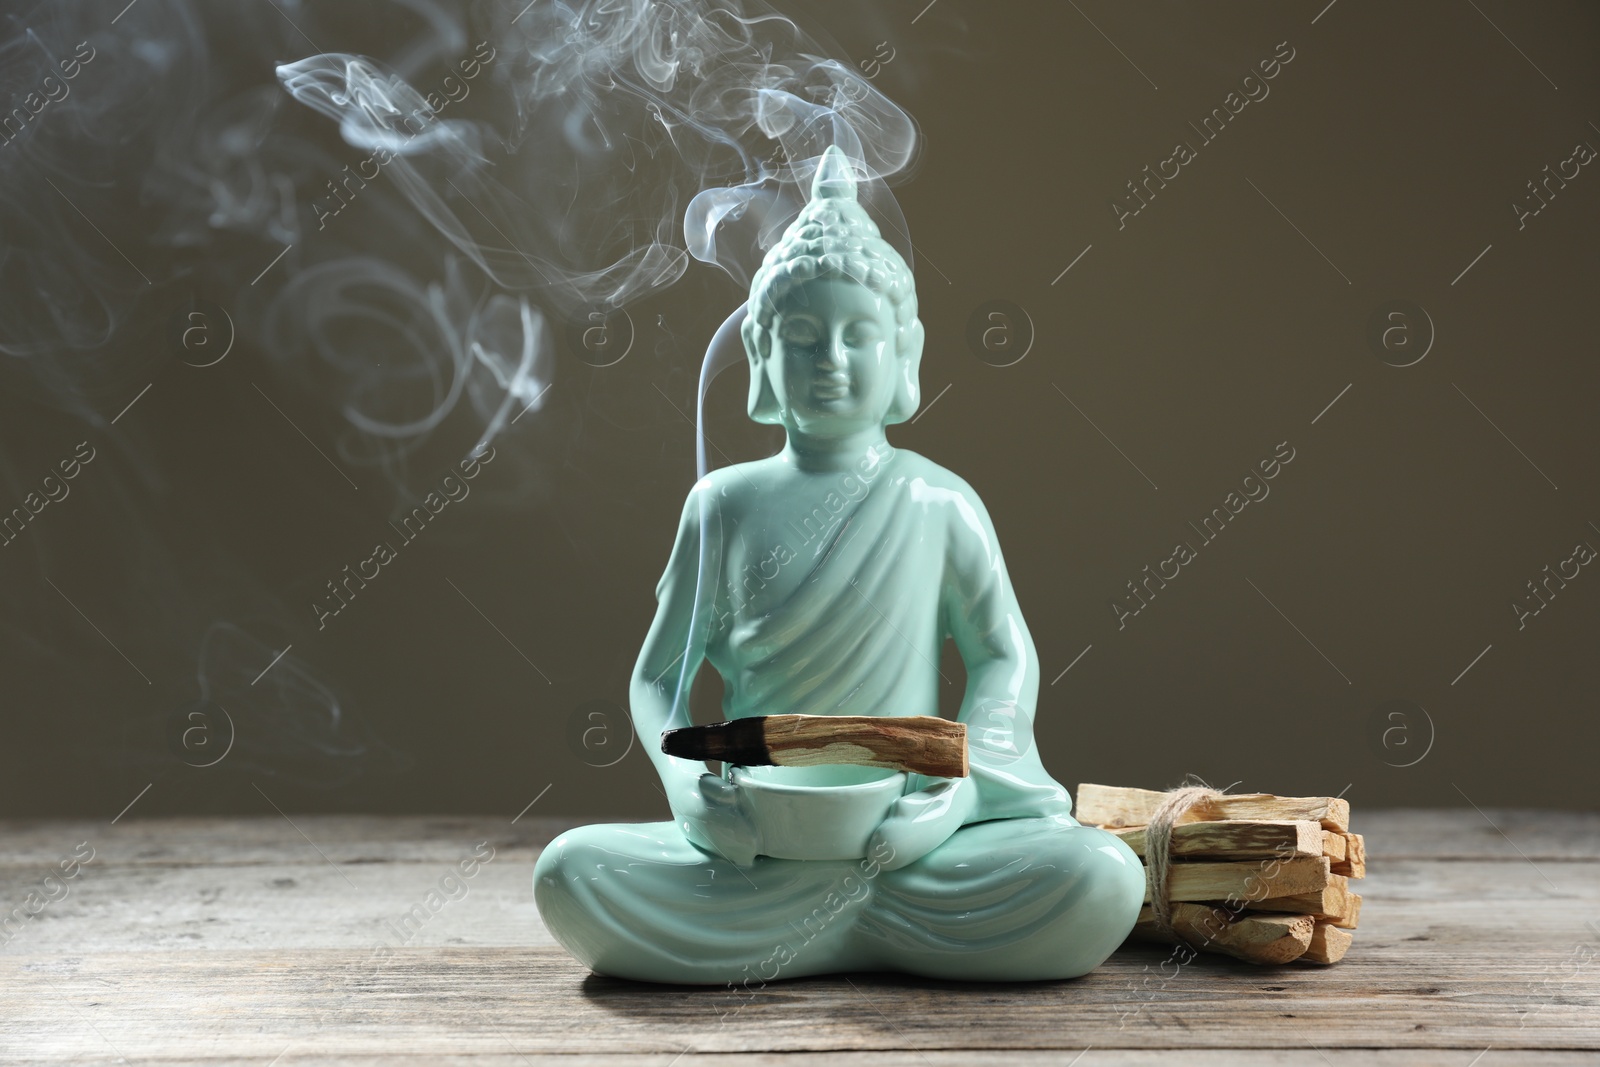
<point x="923" y="744"/>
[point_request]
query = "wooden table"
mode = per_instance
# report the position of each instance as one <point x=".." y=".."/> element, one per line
<point x="241" y="940"/>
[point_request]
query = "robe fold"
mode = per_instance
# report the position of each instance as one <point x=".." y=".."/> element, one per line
<point x="859" y="625"/>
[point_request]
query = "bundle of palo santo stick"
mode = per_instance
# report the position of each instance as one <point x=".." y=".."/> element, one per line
<point x="1254" y="876"/>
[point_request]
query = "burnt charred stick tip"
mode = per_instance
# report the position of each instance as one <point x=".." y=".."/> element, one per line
<point x="741" y="741"/>
<point x="923" y="744"/>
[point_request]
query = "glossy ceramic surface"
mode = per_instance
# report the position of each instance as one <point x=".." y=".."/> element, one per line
<point x="827" y="816"/>
<point x="826" y="580"/>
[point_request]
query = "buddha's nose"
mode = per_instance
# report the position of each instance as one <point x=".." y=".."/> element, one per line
<point x="833" y="356"/>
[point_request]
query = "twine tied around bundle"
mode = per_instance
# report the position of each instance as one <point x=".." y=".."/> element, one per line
<point x="1158" y="849"/>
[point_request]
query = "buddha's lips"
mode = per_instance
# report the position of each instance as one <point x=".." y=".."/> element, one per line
<point x="831" y="388"/>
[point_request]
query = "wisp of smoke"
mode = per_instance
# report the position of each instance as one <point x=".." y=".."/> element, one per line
<point x="514" y="167"/>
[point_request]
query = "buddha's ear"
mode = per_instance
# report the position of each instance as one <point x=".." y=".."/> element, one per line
<point x="907" y="386"/>
<point x="763" y="402"/>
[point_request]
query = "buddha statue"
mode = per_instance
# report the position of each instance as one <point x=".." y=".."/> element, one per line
<point x="825" y="580"/>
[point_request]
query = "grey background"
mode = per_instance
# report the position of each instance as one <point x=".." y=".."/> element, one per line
<point x="1225" y="318"/>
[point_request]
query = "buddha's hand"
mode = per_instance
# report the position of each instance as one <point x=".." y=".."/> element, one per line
<point x="715" y="815"/>
<point x="922" y="821"/>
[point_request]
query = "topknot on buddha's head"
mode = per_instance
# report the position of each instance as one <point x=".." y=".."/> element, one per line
<point x="832" y="237"/>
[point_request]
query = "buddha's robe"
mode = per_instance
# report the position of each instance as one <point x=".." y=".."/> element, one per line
<point x="838" y="602"/>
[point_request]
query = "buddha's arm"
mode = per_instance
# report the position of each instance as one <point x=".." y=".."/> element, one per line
<point x="672" y="653"/>
<point x="979" y="609"/>
<point x="705" y="806"/>
<point x="982" y="613"/>
<point x="986" y="623"/>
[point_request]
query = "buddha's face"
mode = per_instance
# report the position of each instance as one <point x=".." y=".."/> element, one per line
<point x="834" y="359"/>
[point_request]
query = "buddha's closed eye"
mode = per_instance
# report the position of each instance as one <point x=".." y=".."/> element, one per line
<point x="800" y="332"/>
<point x="861" y="333"/>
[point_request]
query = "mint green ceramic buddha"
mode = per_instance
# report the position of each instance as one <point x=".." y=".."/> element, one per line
<point x="825" y="580"/>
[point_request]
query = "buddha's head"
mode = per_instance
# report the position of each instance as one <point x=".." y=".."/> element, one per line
<point x="832" y="330"/>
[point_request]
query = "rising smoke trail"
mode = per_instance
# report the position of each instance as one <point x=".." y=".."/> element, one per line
<point x="442" y="199"/>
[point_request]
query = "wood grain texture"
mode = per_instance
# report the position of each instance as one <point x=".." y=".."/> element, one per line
<point x="1251" y="882"/>
<point x="1333" y="902"/>
<point x="1328" y="944"/>
<point x="1244" y="840"/>
<point x="1353" y="862"/>
<point x="231" y="941"/>
<point x="304" y="1054"/>
<point x="1264" y="939"/>
<point x="923" y="744"/>
<point x="1110" y="805"/>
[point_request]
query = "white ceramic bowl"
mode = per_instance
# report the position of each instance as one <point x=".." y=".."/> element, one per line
<point x="818" y="813"/>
